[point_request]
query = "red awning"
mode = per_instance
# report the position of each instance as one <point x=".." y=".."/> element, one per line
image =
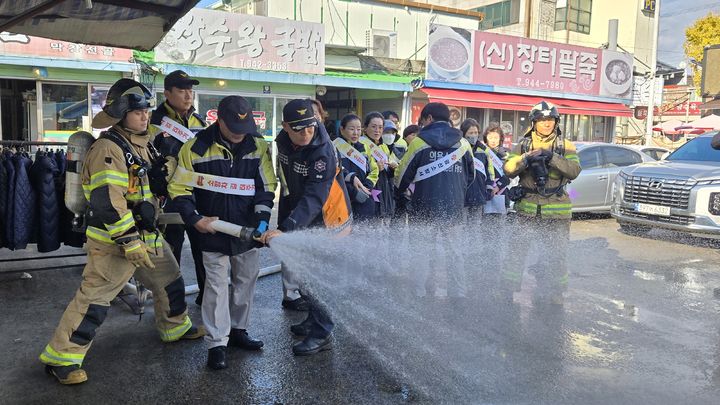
<point x="515" y="102"/>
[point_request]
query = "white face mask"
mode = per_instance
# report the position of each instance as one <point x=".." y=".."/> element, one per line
<point x="472" y="139"/>
<point x="388" y="139"/>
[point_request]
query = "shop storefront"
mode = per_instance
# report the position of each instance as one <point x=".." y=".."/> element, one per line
<point x="280" y="60"/>
<point x="498" y="78"/>
<point x="50" y="89"/>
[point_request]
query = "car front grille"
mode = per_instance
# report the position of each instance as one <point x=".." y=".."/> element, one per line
<point x="672" y="219"/>
<point x="674" y="193"/>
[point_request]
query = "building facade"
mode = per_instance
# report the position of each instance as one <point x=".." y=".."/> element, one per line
<point x="574" y="22"/>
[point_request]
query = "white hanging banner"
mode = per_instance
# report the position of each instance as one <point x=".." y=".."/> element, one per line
<point x="175" y="129"/>
<point x="479" y="166"/>
<point x="426" y="171"/>
<point x="378" y="154"/>
<point x="217" y="184"/>
<point x="496" y="161"/>
<point x="351" y="153"/>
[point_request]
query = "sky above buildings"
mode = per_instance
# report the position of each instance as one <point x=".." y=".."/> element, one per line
<point x="675" y="17"/>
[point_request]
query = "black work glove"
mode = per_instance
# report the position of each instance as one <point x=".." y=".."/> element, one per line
<point x="546" y="154"/>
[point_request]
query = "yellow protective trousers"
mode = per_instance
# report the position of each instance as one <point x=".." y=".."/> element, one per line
<point x="105" y="274"/>
<point x="549" y="240"/>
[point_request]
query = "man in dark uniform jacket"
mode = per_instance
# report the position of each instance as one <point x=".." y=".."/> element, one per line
<point x="313" y="194"/>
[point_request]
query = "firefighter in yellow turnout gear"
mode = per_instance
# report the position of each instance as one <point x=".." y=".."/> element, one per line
<point x="545" y="162"/>
<point x="122" y="209"/>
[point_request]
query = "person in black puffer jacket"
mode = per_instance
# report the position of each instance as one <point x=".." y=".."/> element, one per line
<point x="10" y="202"/>
<point x="42" y="178"/>
<point x="24" y="204"/>
<point x="3" y="198"/>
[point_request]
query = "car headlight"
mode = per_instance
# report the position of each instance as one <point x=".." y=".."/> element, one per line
<point x="714" y="203"/>
<point x="623" y="175"/>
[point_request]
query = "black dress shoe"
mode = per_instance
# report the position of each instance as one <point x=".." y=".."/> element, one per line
<point x="239" y="338"/>
<point x="299" y="304"/>
<point x="312" y="345"/>
<point x="301" y="329"/>
<point x="216" y="358"/>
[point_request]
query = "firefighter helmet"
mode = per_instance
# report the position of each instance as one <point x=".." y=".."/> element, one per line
<point x="544" y="109"/>
<point x="124" y="96"/>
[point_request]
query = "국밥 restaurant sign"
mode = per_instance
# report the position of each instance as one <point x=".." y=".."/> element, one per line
<point x="478" y="57"/>
<point x="214" y="38"/>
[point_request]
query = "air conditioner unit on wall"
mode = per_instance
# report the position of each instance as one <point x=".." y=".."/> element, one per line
<point x="381" y="43"/>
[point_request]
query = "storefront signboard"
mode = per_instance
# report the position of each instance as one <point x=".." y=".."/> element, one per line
<point x="480" y="57"/>
<point x="26" y="45"/>
<point x="215" y="38"/>
<point x="679" y="109"/>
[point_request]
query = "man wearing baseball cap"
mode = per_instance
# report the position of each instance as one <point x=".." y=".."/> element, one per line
<point x="226" y="173"/>
<point x="313" y="194"/>
<point x="178" y="107"/>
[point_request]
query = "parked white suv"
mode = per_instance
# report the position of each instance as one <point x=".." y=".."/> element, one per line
<point x="681" y="192"/>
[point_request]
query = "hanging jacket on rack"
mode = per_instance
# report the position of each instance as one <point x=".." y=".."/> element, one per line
<point x="3" y="199"/>
<point x="10" y="201"/>
<point x="24" y="205"/>
<point x="42" y="178"/>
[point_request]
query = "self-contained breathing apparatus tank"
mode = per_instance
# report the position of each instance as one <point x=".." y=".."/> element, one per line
<point x="78" y="145"/>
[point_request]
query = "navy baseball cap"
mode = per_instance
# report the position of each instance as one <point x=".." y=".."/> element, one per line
<point x="298" y="114"/>
<point x="179" y="79"/>
<point x="236" y="112"/>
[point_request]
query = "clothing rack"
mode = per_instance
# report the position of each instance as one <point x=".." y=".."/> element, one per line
<point x="30" y="143"/>
<point x="29" y="260"/>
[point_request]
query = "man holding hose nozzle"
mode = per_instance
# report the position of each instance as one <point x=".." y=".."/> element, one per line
<point x="313" y="194"/>
<point x="226" y="173"/>
<point x="545" y="163"/>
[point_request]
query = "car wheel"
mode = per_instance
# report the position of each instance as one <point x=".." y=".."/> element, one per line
<point x="636" y="230"/>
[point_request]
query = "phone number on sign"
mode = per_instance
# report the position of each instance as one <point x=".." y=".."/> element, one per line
<point x="540" y="84"/>
<point x="260" y="65"/>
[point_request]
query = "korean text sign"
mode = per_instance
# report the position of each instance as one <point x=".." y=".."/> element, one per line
<point x="214" y="38"/>
<point x="517" y="62"/>
<point x="25" y="45"/>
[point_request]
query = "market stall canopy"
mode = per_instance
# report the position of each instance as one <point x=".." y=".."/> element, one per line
<point x="131" y="24"/>
<point x="668" y="127"/>
<point x="710" y="122"/>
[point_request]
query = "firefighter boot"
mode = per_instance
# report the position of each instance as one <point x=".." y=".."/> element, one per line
<point x="67" y="375"/>
<point x="195" y="332"/>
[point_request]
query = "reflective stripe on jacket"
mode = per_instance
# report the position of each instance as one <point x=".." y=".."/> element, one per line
<point x="562" y="169"/>
<point x="209" y="153"/>
<point x="112" y="191"/>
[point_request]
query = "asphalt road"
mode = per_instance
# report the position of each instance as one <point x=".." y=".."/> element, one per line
<point x="639" y="325"/>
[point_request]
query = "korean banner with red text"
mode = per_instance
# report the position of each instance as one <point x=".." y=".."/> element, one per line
<point x="215" y="38"/>
<point x="480" y="57"/>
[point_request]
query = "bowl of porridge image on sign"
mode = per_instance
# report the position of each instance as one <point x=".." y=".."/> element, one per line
<point x="616" y="74"/>
<point x="448" y="55"/>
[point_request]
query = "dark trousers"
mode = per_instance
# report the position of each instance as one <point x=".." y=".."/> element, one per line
<point x="321" y="325"/>
<point x="175" y="236"/>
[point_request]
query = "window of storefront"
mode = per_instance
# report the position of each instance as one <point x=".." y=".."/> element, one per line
<point x="573" y="15"/>
<point x="65" y="110"/>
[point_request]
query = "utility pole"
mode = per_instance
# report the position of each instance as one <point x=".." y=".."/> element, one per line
<point x="653" y="69"/>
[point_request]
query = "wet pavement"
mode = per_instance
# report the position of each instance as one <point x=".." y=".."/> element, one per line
<point x="640" y="325"/>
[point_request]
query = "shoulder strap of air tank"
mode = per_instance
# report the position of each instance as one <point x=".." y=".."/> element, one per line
<point x="130" y="157"/>
<point x="525" y="144"/>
